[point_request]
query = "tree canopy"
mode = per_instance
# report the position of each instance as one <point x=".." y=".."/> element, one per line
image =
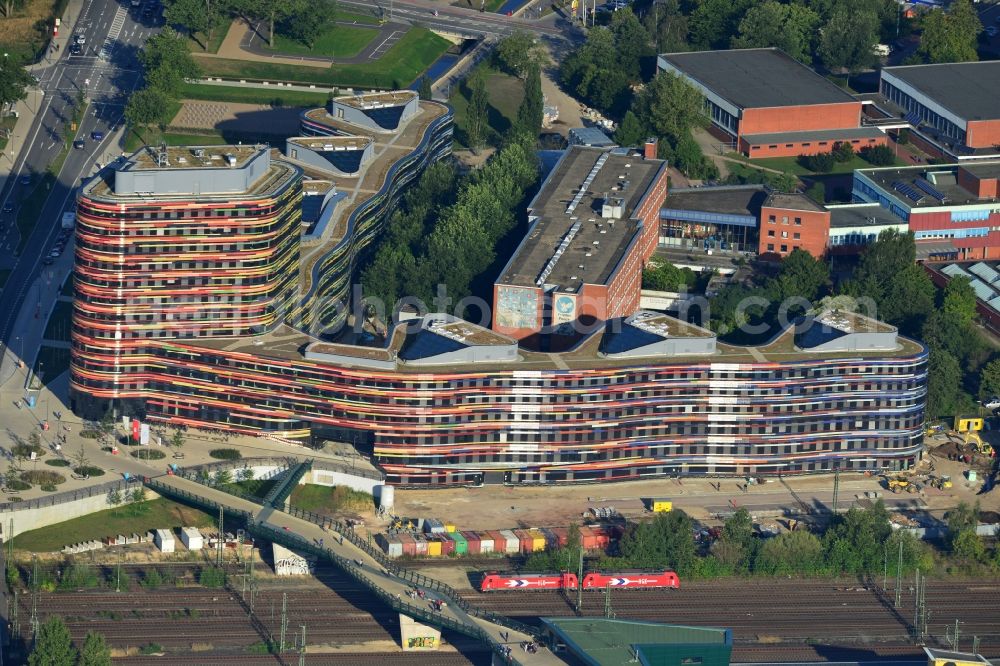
<point x="53" y="646"/>
<point x="789" y="27"/>
<point x="519" y="52"/>
<point x="950" y="36"/>
<point x="14" y="82"/>
<point x="95" y="651"/>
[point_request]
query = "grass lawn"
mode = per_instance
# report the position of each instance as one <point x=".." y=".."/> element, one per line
<point x="213" y="93"/>
<point x="53" y="360"/>
<point x="398" y="68"/>
<point x="26" y="32"/>
<point x="4" y="274"/>
<point x="342" y="41"/>
<point x="200" y="42"/>
<point x="491" y="5"/>
<point x="158" y="513"/>
<point x="328" y="501"/>
<point x="6" y="124"/>
<point x="792" y="166"/>
<point x="134" y="141"/>
<point x="58" y="326"/>
<point x="505" y="95"/>
<point x="255" y="487"/>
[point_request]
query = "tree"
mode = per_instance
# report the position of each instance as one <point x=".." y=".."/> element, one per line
<point x="519" y="52"/>
<point x="989" y="380"/>
<point x="630" y="131"/>
<point x="95" y="651"/>
<point x="878" y="155"/>
<point x="53" y="646"/>
<point x="223" y="478"/>
<point x="14" y="82"/>
<point x="425" y="91"/>
<point x="689" y="158"/>
<point x="667" y="24"/>
<point x="714" y="22"/>
<point x="959" y="300"/>
<point x="943" y="380"/>
<point x="820" y="162"/>
<point x="963" y="517"/>
<point x="602" y="69"/>
<point x="790" y="552"/>
<point x="137" y="496"/>
<point x="115" y="497"/>
<point x="801" y="276"/>
<point x="80" y="458"/>
<point x="177" y="440"/>
<point x="951" y="36"/>
<point x="663" y="542"/>
<point x="842" y="151"/>
<point x="854" y="543"/>
<point x="478" y="101"/>
<point x="788" y="27"/>
<point x="145" y="108"/>
<point x="888" y="274"/>
<point x="245" y="474"/>
<point x="969" y="546"/>
<point x="167" y="62"/>
<point x="11" y="6"/>
<point x="306" y="22"/>
<point x="848" y="40"/>
<point x="531" y="112"/>
<point x="670" y="106"/>
<point x="195" y="15"/>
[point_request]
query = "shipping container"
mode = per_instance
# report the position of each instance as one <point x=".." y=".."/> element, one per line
<point x="409" y="544"/>
<point x="447" y="545"/>
<point x="472" y="541"/>
<point x="525" y="542"/>
<point x="433" y="526"/>
<point x="537" y="540"/>
<point x="662" y="505"/>
<point x="421" y="545"/>
<point x="450" y="529"/>
<point x="499" y="541"/>
<point x="433" y="547"/>
<point x="562" y="534"/>
<point x="513" y="543"/>
<point x="551" y="539"/>
<point x="461" y="545"/>
<point x="485" y="542"/>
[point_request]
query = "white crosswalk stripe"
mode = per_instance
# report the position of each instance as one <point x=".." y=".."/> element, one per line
<point x="113" y="32"/>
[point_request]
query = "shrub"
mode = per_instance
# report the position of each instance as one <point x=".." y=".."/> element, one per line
<point x="878" y="155"/>
<point x="225" y="454"/>
<point x="48" y="487"/>
<point x="842" y="151"/>
<point x="212" y="577"/>
<point x="57" y="462"/>
<point x="151" y="648"/>
<point x="42" y="477"/>
<point x="90" y="434"/>
<point x="904" y="136"/>
<point x="820" y="163"/>
<point x="17" y="484"/>
<point x="148" y="454"/>
<point x="151" y="579"/>
<point x="88" y="470"/>
<point x="78" y="576"/>
<point x="24" y="450"/>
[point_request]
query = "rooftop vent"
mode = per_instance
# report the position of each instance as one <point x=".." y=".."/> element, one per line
<point x="198" y="152"/>
<point x="613" y="208"/>
<point x="231" y="159"/>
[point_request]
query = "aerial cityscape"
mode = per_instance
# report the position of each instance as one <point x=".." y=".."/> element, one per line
<point x="500" y="332"/>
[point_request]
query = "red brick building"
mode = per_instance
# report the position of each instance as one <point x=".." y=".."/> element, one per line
<point x="793" y="221"/>
<point x="766" y="104"/>
<point x="594" y="224"/>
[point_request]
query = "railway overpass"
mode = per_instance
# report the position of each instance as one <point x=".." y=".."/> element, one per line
<point x="326" y="538"/>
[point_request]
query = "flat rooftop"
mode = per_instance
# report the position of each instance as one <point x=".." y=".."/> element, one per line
<point x="724" y="200"/>
<point x="847" y="134"/>
<point x="861" y="215"/>
<point x="376" y="100"/>
<point x="961" y="87"/>
<point x="792" y="201"/>
<point x="924" y="186"/>
<point x="983" y="170"/>
<point x="331" y="142"/>
<point x="191" y="157"/>
<point x="758" y="78"/>
<point x="569" y="205"/>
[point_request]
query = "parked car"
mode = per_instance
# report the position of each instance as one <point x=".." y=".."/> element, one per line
<point x="992" y="403"/>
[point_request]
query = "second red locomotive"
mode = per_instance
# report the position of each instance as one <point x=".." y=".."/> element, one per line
<point x="494" y="581"/>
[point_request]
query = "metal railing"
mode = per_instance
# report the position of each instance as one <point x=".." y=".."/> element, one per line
<point x="283" y="487"/>
<point x="71" y="495"/>
<point x="166" y="489"/>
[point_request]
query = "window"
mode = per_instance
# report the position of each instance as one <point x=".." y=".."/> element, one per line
<point x="822" y="143"/>
<point x="340" y="113"/>
<point x="770" y="247"/>
<point x="784" y="219"/>
<point x="784" y="248"/>
<point x="770" y="219"/>
<point x="806" y="144"/>
<point x="773" y="146"/>
<point x="770" y="232"/>
<point x="784" y="234"/>
<point x="797" y="236"/>
<point x="798" y="221"/>
<point x="789" y="145"/>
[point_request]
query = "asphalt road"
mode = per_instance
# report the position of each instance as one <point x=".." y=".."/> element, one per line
<point x="469" y="22"/>
<point x="107" y="71"/>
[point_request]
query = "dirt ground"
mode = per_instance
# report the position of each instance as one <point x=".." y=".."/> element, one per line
<point x="21" y="28"/>
<point x="496" y="507"/>
<point x="569" y="108"/>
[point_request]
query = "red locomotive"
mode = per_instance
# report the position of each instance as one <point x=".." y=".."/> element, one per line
<point x="494" y="581"/>
<point x="506" y="581"/>
<point x="631" y="579"/>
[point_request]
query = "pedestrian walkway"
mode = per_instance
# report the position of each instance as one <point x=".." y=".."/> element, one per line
<point x="414" y="594"/>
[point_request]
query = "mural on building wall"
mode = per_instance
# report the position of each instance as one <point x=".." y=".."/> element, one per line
<point x="517" y="307"/>
<point x="563" y="313"/>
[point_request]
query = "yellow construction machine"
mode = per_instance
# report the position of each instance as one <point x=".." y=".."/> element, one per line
<point x="898" y="484"/>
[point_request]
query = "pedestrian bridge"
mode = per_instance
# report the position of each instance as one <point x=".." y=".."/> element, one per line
<point x="308" y="532"/>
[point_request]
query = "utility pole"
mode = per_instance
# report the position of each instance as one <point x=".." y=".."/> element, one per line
<point x="302" y="647"/>
<point x="284" y="621"/>
<point x="34" y="597"/>
<point x="579" y="581"/>
<point x="975" y="645"/>
<point x="954" y="637"/>
<point x="15" y="621"/>
<point x="608" y="613"/>
<point x="118" y="571"/>
<point x="252" y="583"/>
<point x="899" y="574"/>
<point x="836" y="488"/>
<point x="219" y="545"/>
<point x="885" y="566"/>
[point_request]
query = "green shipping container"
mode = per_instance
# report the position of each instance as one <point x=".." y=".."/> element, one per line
<point x="461" y="545"/>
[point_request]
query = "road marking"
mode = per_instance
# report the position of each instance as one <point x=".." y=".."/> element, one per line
<point x="113" y="32"/>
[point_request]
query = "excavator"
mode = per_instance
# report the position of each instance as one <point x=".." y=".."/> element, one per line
<point x="898" y="484"/>
<point x="969" y="427"/>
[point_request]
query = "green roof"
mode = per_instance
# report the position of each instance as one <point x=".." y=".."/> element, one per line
<point x="604" y="642"/>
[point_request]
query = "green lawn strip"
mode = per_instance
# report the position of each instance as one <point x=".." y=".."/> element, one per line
<point x="58" y="326"/>
<point x="341" y="42"/>
<point x="792" y="166"/>
<point x="328" y="500"/>
<point x="4" y="274"/>
<point x="6" y="124"/>
<point x="399" y="67"/>
<point x="505" y="95"/>
<point x="156" y="514"/>
<point x="200" y="42"/>
<point x="274" y="97"/>
<point x="491" y="5"/>
<point x="52" y="360"/>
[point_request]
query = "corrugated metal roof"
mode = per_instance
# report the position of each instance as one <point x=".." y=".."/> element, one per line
<point x="984" y="292"/>
<point x="606" y="642"/>
<point x="952" y="270"/>
<point x="985" y="272"/>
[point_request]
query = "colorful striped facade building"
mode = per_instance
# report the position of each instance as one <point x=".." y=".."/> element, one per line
<point x="196" y="282"/>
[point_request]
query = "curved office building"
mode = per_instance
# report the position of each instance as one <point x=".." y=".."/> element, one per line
<point x="199" y="287"/>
